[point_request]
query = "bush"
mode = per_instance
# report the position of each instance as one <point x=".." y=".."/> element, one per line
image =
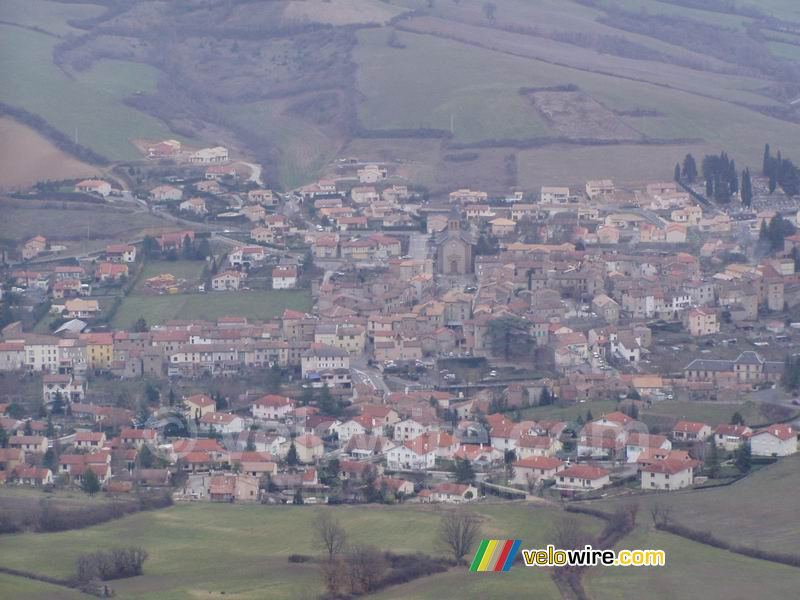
<point x="300" y="558"/>
<point x="111" y="564"/>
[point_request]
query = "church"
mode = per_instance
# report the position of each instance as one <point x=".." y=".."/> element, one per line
<point x="454" y="250"/>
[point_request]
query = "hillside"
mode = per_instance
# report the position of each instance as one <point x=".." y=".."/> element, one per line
<point x="535" y="92"/>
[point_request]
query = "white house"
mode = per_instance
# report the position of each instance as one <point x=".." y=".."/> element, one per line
<point x="272" y="407"/>
<point x="284" y="278"/>
<point x="670" y="474"/>
<point x="582" y="478"/>
<point x="639" y="442"/>
<point x="775" y="440"/>
<point x="415" y="455"/>
<point x="222" y="422"/>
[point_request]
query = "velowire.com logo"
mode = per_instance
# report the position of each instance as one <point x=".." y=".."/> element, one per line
<point x="495" y="555"/>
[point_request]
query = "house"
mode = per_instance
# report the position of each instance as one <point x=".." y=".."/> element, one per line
<point x="199" y="405"/>
<point x="371" y="173"/>
<point x="775" y="440"/>
<point x="668" y="474"/>
<point x="230" y="487"/>
<point x="164" y="149"/>
<point x="217" y="154"/>
<point x="309" y="448"/>
<point x="194" y="205"/>
<point x="67" y="388"/>
<point x="272" y="407"/>
<point x="532" y="446"/>
<point x="284" y="277"/>
<point x="35" y="476"/>
<point x="453" y="493"/>
<point x="10" y="458"/>
<point x="109" y="271"/>
<point x="554" y="195"/>
<point x="89" y="440"/>
<point x="502" y="226"/>
<point x="640" y="442"/>
<point x="78" y="308"/>
<point x="690" y="431"/>
<point x="227" y="280"/>
<point x="702" y="321"/>
<point x="321" y="357"/>
<point x="731" y="437"/>
<point x="529" y="470"/>
<point x="166" y="193"/>
<point x="598" y="189"/>
<point x="34" y="247"/>
<point x="580" y="478"/>
<point x="137" y="437"/>
<point x="117" y="253"/>
<point x="94" y="186"/>
<point x="222" y="422"/>
<point x="414" y="455"/>
<point x="35" y="444"/>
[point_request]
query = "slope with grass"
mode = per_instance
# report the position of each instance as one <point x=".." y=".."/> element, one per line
<point x="241" y="551"/>
<point x="758" y="511"/>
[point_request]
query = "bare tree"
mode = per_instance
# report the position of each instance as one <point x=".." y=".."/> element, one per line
<point x="569" y="534"/>
<point x="335" y="576"/>
<point x="366" y="567"/>
<point x="329" y="534"/>
<point x="633" y="511"/>
<point x="459" y="531"/>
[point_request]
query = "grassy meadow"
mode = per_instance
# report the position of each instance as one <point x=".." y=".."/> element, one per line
<point x="206" y="550"/>
<point x="253" y="305"/>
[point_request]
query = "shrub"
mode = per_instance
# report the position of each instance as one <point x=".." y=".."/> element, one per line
<point x="111" y="564"/>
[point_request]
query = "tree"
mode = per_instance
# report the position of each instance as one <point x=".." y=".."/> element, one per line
<point x="90" y="483"/>
<point x="712" y="458"/>
<point x="568" y="534"/>
<point x="366" y="567"/>
<point x="773" y="182"/>
<point x="744" y="458"/>
<point x="152" y="395"/>
<point x="490" y="11"/>
<point x="3" y="437"/>
<point x="57" y="405"/>
<point x="545" y="398"/>
<point x="171" y="398"/>
<point x="49" y="460"/>
<point x="28" y="428"/>
<point x="677" y="175"/>
<point x="737" y="418"/>
<point x="150" y="247"/>
<point x="140" y="325"/>
<point x="187" y="249"/>
<point x="509" y="336"/>
<point x="291" y="456"/>
<point x="459" y="531"/>
<point x="689" y="168"/>
<point x="298" y="497"/>
<point x="766" y="167"/>
<point x="146" y="457"/>
<point x="747" y="189"/>
<point x="464" y="471"/>
<point x="329" y="534"/>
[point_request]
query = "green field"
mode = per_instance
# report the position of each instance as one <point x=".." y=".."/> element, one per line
<point x="712" y="413"/>
<point x="21" y="587"/>
<point x="691" y="570"/>
<point x="569" y="413"/>
<point x="44" y="14"/>
<point x="759" y="510"/>
<point x="253" y="305"/>
<point x="65" y="224"/>
<point x="190" y="270"/>
<point x="87" y="106"/>
<point x="203" y="550"/>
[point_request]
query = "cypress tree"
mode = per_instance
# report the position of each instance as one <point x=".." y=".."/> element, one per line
<point x="765" y="169"/>
<point x="773" y="181"/>
<point x="677" y="175"/>
<point x="747" y="188"/>
<point x="689" y="168"/>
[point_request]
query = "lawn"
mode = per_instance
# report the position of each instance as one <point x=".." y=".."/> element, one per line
<point x="21" y="587"/>
<point x="189" y="270"/>
<point x="569" y="413"/>
<point x="712" y="413"/>
<point x="759" y="510"/>
<point x="260" y="305"/>
<point x="691" y="570"/>
<point x="241" y="551"/>
<point x="88" y="106"/>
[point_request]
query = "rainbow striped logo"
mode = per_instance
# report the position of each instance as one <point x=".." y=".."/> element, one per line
<point x="495" y="555"/>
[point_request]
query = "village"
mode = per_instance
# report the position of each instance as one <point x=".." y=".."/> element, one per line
<point x="549" y="345"/>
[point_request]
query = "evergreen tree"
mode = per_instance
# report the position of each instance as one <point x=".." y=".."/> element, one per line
<point x="746" y="188"/>
<point x="677" y="175"/>
<point x="773" y="182"/>
<point x="737" y="418"/>
<point x="709" y="188"/>
<point x="291" y="457"/>
<point x="589" y="416"/>
<point x="298" y="497"/>
<point x="712" y="458"/>
<point x="146" y="457"/>
<point x="171" y="397"/>
<point x="187" y="251"/>
<point x="3" y="437"/>
<point x="744" y="458"/>
<point x="49" y="460"/>
<point x="28" y="429"/>
<point x="140" y="325"/>
<point x="689" y="168"/>
<point x="90" y="483"/>
<point x="766" y="165"/>
<point x="545" y="398"/>
<point x="464" y="471"/>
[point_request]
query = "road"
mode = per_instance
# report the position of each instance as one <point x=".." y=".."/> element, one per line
<point x="369" y="376"/>
<point x="255" y="173"/>
<point x="418" y="246"/>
